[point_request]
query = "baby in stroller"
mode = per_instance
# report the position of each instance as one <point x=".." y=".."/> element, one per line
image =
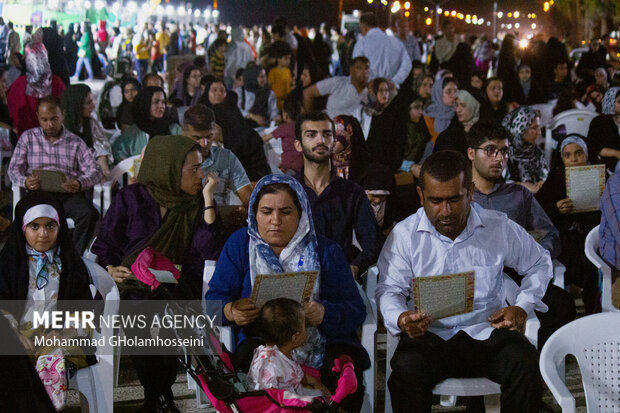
<point x="283" y="326"/>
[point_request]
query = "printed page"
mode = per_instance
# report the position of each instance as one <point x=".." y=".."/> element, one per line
<point x="51" y="181"/>
<point x="295" y="285"/>
<point x="584" y="186"/>
<point x="164" y="277"/>
<point x="443" y="296"/>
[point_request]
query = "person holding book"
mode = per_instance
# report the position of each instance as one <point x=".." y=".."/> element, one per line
<point x="280" y="238"/>
<point x="449" y="235"/>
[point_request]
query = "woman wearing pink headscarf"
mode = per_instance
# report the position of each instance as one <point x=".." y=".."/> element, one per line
<point x="28" y="89"/>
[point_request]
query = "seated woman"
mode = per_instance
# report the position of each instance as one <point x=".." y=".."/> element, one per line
<point x="40" y="264"/>
<point x="439" y="114"/>
<point x="149" y="110"/>
<point x="256" y="100"/>
<point x="573" y="227"/>
<point x="350" y="155"/>
<point x="78" y="105"/>
<point x="493" y="108"/>
<point x="169" y="211"/>
<point x="124" y="115"/>
<point x="189" y="91"/>
<point x="526" y="163"/>
<point x="309" y="76"/>
<point x="281" y="238"/>
<point x="422" y="87"/>
<point x="238" y="135"/>
<point x="467" y="114"/>
<point x="603" y="137"/>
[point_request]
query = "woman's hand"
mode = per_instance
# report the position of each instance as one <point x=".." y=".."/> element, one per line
<point x="211" y="181"/>
<point x="119" y="274"/>
<point x="565" y="205"/>
<point x="102" y="161"/>
<point x="315" y="312"/>
<point x="242" y="311"/>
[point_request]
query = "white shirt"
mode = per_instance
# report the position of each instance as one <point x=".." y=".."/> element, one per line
<point x="272" y="103"/>
<point x="237" y="57"/>
<point x="489" y="242"/>
<point x="388" y="56"/>
<point x="344" y="99"/>
<point x="412" y="46"/>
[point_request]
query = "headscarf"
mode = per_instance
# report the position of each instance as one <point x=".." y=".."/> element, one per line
<point x="142" y="113"/>
<point x="160" y="172"/>
<point x="124" y="115"/>
<point x="471" y="102"/>
<point x="527" y="85"/>
<point x="529" y="159"/>
<point x="609" y="100"/>
<point x="442" y="114"/>
<point x="40" y="211"/>
<point x="181" y="92"/>
<point x="38" y="72"/>
<point x="261" y="94"/>
<point x="576" y="140"/>
<point x="301" y="254"/>
<point x="72" y="103"/>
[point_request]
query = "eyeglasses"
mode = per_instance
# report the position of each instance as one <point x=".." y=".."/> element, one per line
<point x="492" y="151"/>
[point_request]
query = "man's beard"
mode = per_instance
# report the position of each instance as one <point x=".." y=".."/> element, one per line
<point x="312" y="157"/>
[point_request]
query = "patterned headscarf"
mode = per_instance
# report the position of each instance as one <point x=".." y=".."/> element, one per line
<point x="38" y="72"/>
<point x="301" y="254"/>
<point x="442" y="114"/>
<point x="609" y="100"/>
<point x="528" y="159"/>
<point x="471" y="102"/>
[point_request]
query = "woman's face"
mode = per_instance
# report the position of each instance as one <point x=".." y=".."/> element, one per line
<point x="193" y="81"/>
<point x="88" y="106"/>
<point x="261" y="79"/>
<point x="426" y="87"/>
<point x="596" y="96"/>
<point x="158" y="105"/>
<point x="532" y="132"/>
<point x="617" y="105"/>
<point x="41" y="234"/>
<point x="476" y="82"/>
<point x="305" y="77"/>
<point x="217" y="93"/>
<point x="192" y="174"/>
<point x="463" y="112"/>
<point x="573" y="155"/>
<point x="277" y="219"/>
<point x="383" y="93"/>
<point x="129" y="92"/>
<point x="525" y="73"/>
<point x="449" y="94"/>
<point x="600" y="77"/>
<point x="495" y="92"/>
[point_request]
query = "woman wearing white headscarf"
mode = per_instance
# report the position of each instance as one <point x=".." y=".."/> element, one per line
<point x="603" y="137"/>
<point x="467" y="114"/>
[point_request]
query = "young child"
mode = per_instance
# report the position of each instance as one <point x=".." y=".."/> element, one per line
<point x="292" y="161"/>
<point x="280" y="77"/>
<point x="217" y="62"/>
<point x="418" y="137"/>
<point x="283" y="326"/>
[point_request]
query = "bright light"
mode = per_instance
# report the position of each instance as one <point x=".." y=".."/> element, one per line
<point x="356" y="13"/>
<point x="115" y="6"/>
<point x="533" y="26"/>
<point x="480" y="20"/>
<point x="509" y="26"/>
<point x="196" y="13"/>
<point x="132" y="6"/>
<point x="529" y="15"/>
<point x="551" y="2"/>
<point x="384" y="2"/>
<point x="159" y="9"/>
<point x="87" y="4"/>
<point x="215" y="13"/>
<point x="500" y="14"/>
<point x="533" y="15"/>
<point x="546" y="6"/>
<point x="488" y="23"/>
<point x="207" y="13"/>
<point x="181" y="11"/>
<point x="517" y="25"/>
<point x="516" y="15"/>
<point x="407" y="5"/>
<point x="407" y="14"/>
<point x="475" y="21"/>
<point x="72" y="5"/>
<point x="474" y="17"/>
<point x="523" y="43"/>
<point x="395" y="6"/>
<point x="439" y="10"/>
<point x="446" y="13"/>
<point x="428" y="21"/>
<point x="53" y="3"/>
<point x="369" y="1"/>
<point x="502" y="25"/>
<point x="453" y="13"/>
<point x="460" y="16"/>
<point x="426" y="9"/>
<point x="99" y="4"/>
<point x="509" y="15"/>
<point x="146" y="8"/>
<point x="170" y="9"/>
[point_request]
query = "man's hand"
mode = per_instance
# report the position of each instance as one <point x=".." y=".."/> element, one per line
<point x="565" y="205"/>
<point x="416" y="169"/>
<point x="33" y="183"/>
<point x="512" y="318"/>
<point x="71" y="186"/>
<point x="413" y="323"/>
<point x="355" y="270"/>
<point x="119" y="274"/>
<point x="242" y="311"/>
<point x="314" y="313"/>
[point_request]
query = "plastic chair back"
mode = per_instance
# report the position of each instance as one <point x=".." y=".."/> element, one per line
<point x="604" y="270"/>
<point x="575" y="120"/>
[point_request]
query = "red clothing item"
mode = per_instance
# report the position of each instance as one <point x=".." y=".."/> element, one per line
<point x="22" y="108"/>
<point x="291" y="159"/>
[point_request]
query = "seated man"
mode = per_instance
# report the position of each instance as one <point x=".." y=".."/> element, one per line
<point x="451" y="235"/>
<point x="198" y="124"/>
<point x="488" y="151"/>
<point x="53" y="148"/>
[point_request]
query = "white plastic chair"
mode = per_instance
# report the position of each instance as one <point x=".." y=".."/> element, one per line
<point x="4" y="175"/>
<point x="102" y="193"/>
<point x="575" y="121"/>
<point x="95" y="382"/>
<point x="595" y="342"/>
<point x="591" y="250"/>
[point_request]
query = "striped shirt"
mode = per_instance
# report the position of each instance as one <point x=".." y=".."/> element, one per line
<point x="609" y="231"/>
<point x="68" y="155"/>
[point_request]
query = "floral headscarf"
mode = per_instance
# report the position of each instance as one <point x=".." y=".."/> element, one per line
<point x="527" y="162"/>
<point x="38" y="72"/>
<point x="609" y="100"/>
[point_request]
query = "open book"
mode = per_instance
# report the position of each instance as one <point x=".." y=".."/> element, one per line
<point x="444" y="295"/>
<point x="294" y="285"/>
<point x="584" y="186"/>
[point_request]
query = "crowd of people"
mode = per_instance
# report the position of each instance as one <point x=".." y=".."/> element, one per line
<point x="371" y="126"/>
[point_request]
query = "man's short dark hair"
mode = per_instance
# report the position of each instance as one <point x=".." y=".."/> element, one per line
<point x="279" y="319"/>
<point x="279" y="29"/>
<point x="482" y="132"/>
<point x="444" y="166"/>
<point x="369" y="19"/>
<point x="153" y="75"/>
<point x="311" y="117"/>
<point x="292" y="107"/>
<point x="50" y="100"/>
<point x="362" y="59"/>
<point x="219" y="42"/>
<point x="198" y="117"/>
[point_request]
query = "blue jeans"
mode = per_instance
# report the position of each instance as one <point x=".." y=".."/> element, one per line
<point x="83" y="61"/>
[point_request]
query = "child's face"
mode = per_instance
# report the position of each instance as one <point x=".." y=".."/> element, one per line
<point x="476" y="82"/>
<point x="524" y="74"/>
<point x="376" y="199"/>
<point x="222" y="49"/>
<point x="41" y="234"/>
<point x="261" y="79"/>
<point x="415" y="114"/>
<point x="284" y="61"/>
<point x="300" y="337"/>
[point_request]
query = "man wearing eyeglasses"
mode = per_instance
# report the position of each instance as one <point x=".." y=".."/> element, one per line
<point x="339" y="206"/>
<point x="488" y="149"/>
